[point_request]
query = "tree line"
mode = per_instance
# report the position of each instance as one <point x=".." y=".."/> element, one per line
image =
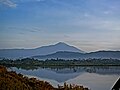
<point x="60" y="62"/>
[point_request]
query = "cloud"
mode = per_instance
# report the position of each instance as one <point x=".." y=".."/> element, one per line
<point x="8" y="3"/>
<point x="87" y="15"/>
<point x="107" y="12"/>
<point x="31" y="29"/>
<point x="11" y="4"/>
<point x="40" y="0"/>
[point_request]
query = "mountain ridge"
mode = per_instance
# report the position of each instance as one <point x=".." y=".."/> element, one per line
<point x="77" y="55"/>
<point x="43" y="50"/>
<point x="58" y="50"/>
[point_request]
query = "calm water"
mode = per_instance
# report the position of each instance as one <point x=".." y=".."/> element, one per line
<point x="95" y="78"/>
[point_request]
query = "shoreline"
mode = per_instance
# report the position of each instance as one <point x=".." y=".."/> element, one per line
<point x="14" y="81"/>
<point x="60" y="62"/>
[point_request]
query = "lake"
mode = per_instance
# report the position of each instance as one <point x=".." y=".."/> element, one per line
<point x="93" y="77"/>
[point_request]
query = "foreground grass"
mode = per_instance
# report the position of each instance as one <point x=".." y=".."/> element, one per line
<point x="10" y="80"/>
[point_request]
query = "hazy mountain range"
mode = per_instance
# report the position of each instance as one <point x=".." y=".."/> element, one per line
<point x="59" y="50"/>
<point x="77" y="55"/>
<point x="44" y="50"/>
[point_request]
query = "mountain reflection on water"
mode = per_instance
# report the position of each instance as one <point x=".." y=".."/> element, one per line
<point x="95" y="77"/>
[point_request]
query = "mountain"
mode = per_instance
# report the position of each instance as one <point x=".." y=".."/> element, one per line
<point x="77" y="55"/>
<point x="44" y="50"/>
<point x="61" y="55"/>
<point x="59" y="50"/>
<point x="104" y="54"/>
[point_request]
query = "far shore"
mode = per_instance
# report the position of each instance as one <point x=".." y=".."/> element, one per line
<point x="59" y="62"/>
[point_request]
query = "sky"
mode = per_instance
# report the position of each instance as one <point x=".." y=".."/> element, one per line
<point x="90" y="25"/>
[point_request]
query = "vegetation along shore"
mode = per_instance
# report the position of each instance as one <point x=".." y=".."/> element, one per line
<point x="60" y="62"/>
<point x="10" y="80"/>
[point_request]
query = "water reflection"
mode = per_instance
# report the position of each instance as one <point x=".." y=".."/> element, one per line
<point x="97" y="78"/>
<point x="77" y="69"/>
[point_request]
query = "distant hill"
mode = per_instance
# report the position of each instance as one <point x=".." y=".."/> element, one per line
<point x="59" y="50"/>
<point x="44" y="50"/>
<point x="77" y="55"/>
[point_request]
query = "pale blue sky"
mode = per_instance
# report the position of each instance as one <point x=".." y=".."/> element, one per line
<point x="87" y="24"/>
